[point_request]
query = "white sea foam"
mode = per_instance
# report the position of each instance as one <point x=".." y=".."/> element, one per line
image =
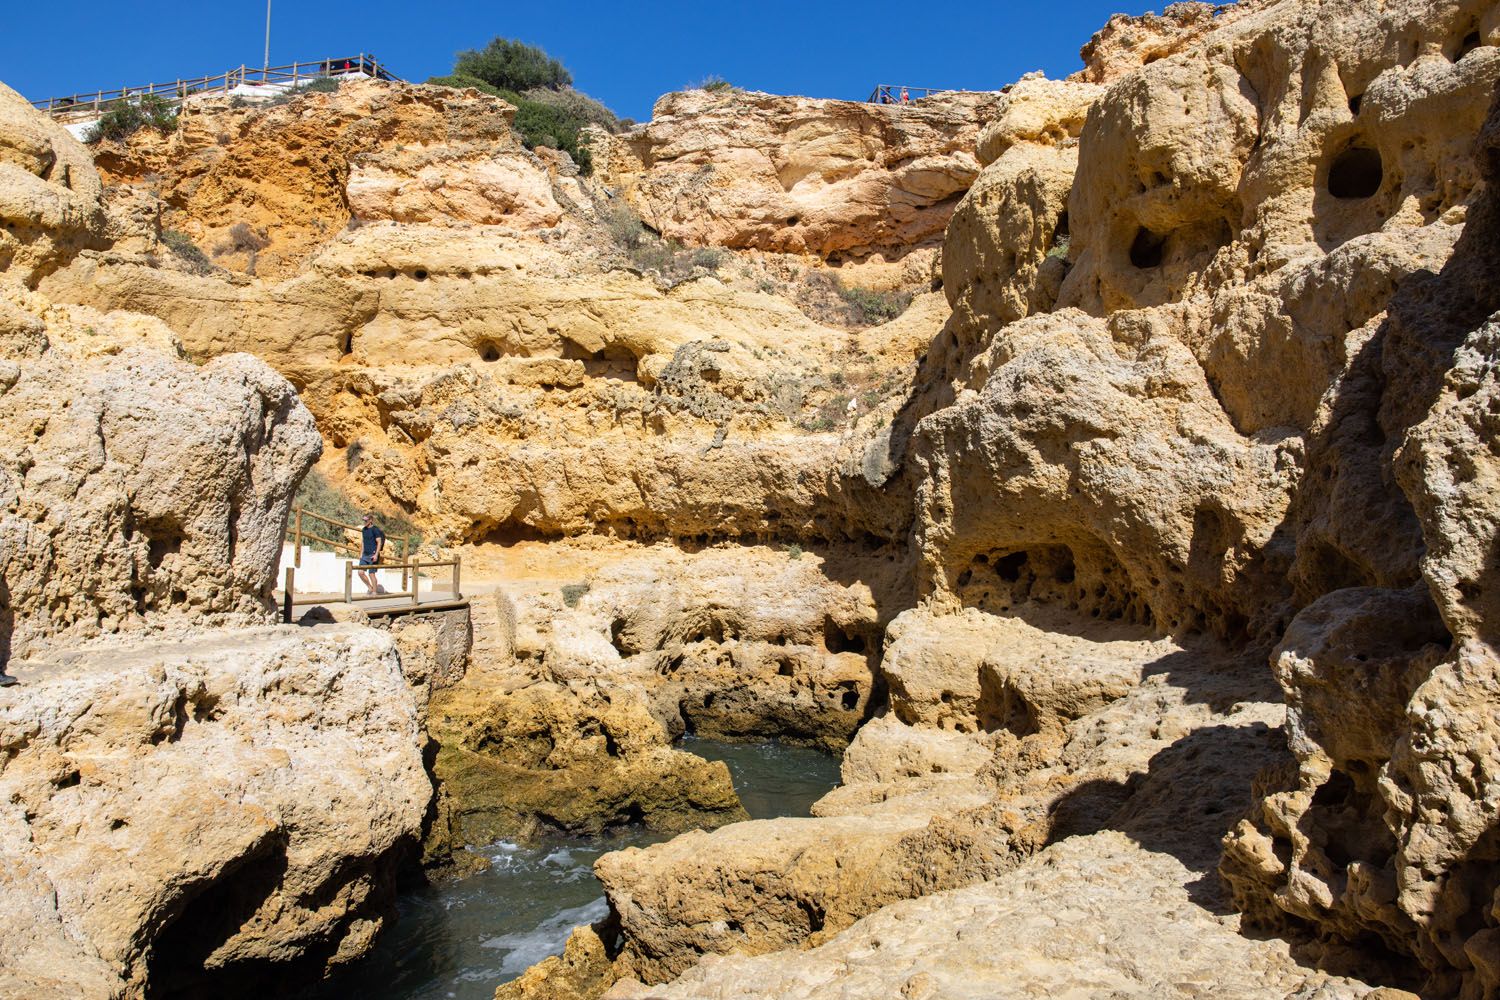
<point x="525" y="948"/>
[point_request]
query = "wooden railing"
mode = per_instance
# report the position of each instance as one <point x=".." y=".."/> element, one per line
<point x="890" y="93"/>
<point x="414" y="566"/>
<point x="74" y="107"/>
<point x="300" y="531"/>
<point x="410" y="570"/>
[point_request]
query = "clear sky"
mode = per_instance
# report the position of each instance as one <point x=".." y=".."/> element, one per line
<point x="625" y="54"/>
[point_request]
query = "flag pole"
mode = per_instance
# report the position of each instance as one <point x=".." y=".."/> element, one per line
<point x="266" y="66"/>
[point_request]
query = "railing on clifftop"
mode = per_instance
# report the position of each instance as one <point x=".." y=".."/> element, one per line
<point x="79" y="107"/>
<point x="890" y="93"/>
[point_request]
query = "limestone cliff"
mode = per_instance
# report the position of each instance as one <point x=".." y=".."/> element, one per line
<point x="837" y="179"/>
<point x="1208" y="383"/>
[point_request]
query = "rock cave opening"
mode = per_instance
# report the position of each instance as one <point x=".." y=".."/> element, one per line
<point x="1356" y="174"/>
<point x="1148" y="249"/>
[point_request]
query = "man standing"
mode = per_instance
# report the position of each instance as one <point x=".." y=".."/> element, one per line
<point x="372" y="546"/>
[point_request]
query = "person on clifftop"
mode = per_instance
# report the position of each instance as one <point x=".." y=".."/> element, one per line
<point x="905" y="97"/>
<point x="372" y="547"/>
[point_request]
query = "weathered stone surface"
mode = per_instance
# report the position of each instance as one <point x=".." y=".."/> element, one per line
<point x="1005" y="250"/>
<point x="1384" y="830"/>
<point x="1093" y="916"/>
<point x="190" y="815"/>
<point x="798" y="175"/>
<point x="548" y="758"/>
<point x="136" y="486"/>
<point x="50" y="195"/>
<point x="261" y="188"/>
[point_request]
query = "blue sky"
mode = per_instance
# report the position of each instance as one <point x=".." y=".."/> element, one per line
<point x="624" y="54"/>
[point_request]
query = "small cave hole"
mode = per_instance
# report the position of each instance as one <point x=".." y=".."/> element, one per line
<point x="1008" y="568"/>
<point x="1063" y="230"/>
<point x="1064" y="572"/>
<point x="419" y="274"/>
<point x="1354" y="104"/>
<point x="837" y="639"/>
<point x="850" y="699"/>
<point x="1148" y="249"/>
<point x="489" y="352"/>
<point x="1356" y="174"/>
<point x="1467" y="44"/>
<point x="792" y="220"/>
<point x="346" y="344"/>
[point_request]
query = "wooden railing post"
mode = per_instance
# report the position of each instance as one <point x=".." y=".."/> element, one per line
<point x="297" y="543"/>
<point x="416" y="582"/>
<point x="457" y="594"/>
<point x="405" y="555"/>
<point x="349" y="581"/>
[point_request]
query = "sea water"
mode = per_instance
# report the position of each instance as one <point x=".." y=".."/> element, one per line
<point x="461" y="939"/>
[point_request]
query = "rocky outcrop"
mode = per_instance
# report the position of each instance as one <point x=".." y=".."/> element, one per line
<point x="837" y="179"/>
<point x="202" y="815"/>
<point x="953" y="789"/>
<point x="567" y="720"/>
<point x="486" y="382"/>
<point x="547" y="758"/>
<point x="261" y="188"/>
<point x="1383" y="832"/>
<point x="50" y="194"/>
<point x="136" y="487"/>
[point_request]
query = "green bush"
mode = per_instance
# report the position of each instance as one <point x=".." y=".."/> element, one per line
<point x="183" y="247"/>
<point x="322" y="85"/>
<point x="794" y="551"/>
<point x="538" y="124"/>
<point x="713" y="84"/>
<point x="575" y="106"/>
<point x="124" y="120"/>
<point x="572" y="593"/>
<point x="868" y="307"/>
<point x="511" y="65"/>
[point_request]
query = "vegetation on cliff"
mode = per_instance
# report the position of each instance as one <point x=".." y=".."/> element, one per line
<point x="549" y="112"/>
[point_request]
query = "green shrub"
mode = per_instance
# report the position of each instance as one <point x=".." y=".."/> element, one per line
<point x="794" y="551"/>
<point x="511" y="65"/>
<point x="461" y="82"/>
<point x="126" y="119"/>
<point x="1060" y="248"/>
<point x="322" y="85"/>
<point x="625" y="227"/>
<point x="183" y="247"/>
<point x="575" y="106"/>
<point x="713" y="84"/>
<point x="572" y="593"/>
<point x="554" y="125"/>
<point x="869" y="308"/>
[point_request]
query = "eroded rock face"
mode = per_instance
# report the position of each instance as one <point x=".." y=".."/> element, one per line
<point x="260" y="188"/>
<point x="50" y="194"/>
<point x="568" y="718"/>
<point x="136" y="486"/>
<point x="204" y="815"/>
<point x="549" y="758"/>
<point x="1384" y="831"/>
<point x="439" y="363"/>
<point x="798" y="175"/>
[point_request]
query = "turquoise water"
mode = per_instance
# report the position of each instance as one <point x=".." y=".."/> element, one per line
<point x="458" y="941"/>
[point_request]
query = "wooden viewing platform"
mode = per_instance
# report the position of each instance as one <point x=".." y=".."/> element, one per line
<point x="268" y="80"/>
<point x="304" y="529"/>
